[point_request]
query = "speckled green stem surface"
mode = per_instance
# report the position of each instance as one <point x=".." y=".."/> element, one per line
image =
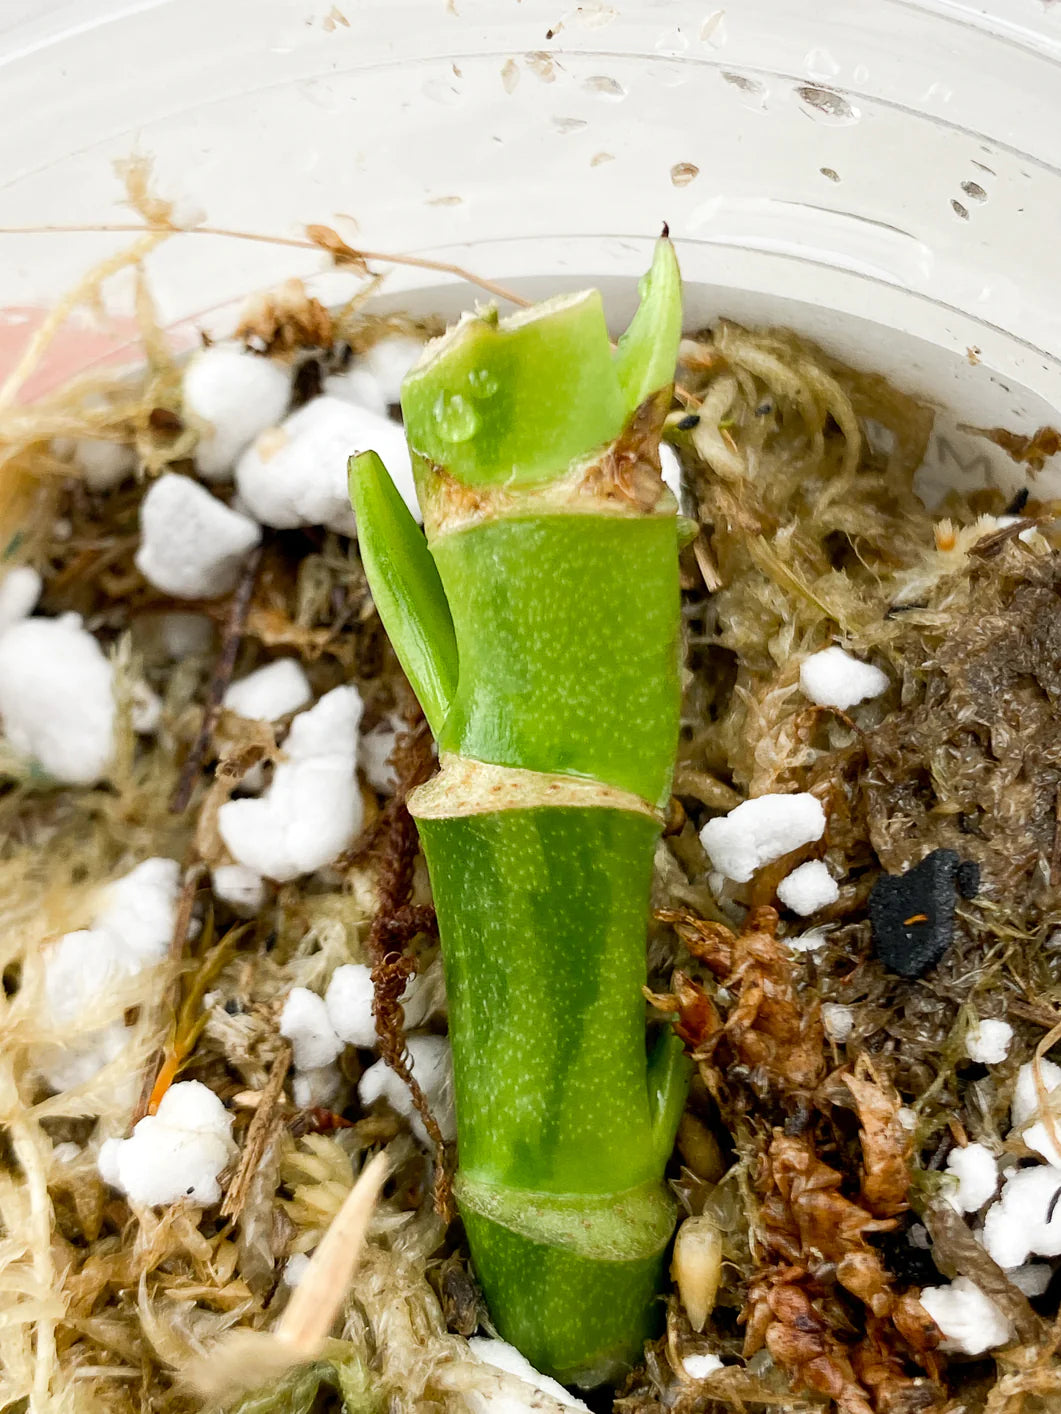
<point x="539" y="625"/>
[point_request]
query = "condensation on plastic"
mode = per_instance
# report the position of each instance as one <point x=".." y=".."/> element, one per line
<point x="881" y="174"/>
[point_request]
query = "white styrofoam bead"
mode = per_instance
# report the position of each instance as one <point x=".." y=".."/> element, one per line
<point x="699" y="1367"/>
<point x="357" y="385"/>
<point x="175" y="1154"/>
<point x="389" y="361"/>
<point x="1026" y="1220"/>
<point x="988" y="1041"/>
<point x="349" y="1001"/>
<point x="1025" y="1102"/>
<point x="104" y="464"/>
<point x="139" y="910"/>
<point x="374" y="755"/>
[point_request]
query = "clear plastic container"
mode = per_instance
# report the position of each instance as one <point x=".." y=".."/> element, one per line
<point x="882" y="175"/>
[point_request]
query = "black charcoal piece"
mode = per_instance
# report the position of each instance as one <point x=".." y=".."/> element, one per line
<point x="967" y="878"/>
<point x="912" y="914"/>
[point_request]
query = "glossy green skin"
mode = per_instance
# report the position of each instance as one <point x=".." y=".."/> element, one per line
<point x="583" y="1316"/>
<point x="543" y="916"/>
<point x="567" y="639"/>
<point x="529" y="399"/>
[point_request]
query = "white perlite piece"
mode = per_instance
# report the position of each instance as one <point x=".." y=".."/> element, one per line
<point x="232" y="395"/>
<point x="976" y="1177"/>
<point x="374" y="756"/>
<point x="839" y="1021"/>
<point x="57" y="698"/>
<point x="20" y="589"/>
<point x="759" y="831"/>
<point x="389" y="361"/>
<point x="316" y="1088"/>
<point x="989" y="1041"/>
<point x="349" y="1002"/>
<point x="304" y="1021"/>
<point x="699" y="1367"/>
<point x="1017" y="1226"/>
<point x="296" y="474"/>
<point x="175" y="1154"/>
<point x="1025" y="1103"/>
<point x="357" y="385"/>
<point x="969" y="1320"/>
<point x="241" y="888"/>
<point x="269" y="693"/>
<point x="132" y="926"/>
<point x="813" y="940"/>
<point x="181" y="634"/>
<point x="432" y="1067"/>
<point x="191" y="544"/>
<point x="1045" y="1140"/>
<point x="503" y="1356"/>
<point x="832" y="678"/>
<point x="104" y="464"/>
<point x="808" y="888"/>
<point x="139" y="910"/>
<point x="295" y="1269"/>
<point x="312" y="809"/>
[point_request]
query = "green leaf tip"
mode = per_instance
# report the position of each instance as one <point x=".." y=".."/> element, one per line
<point x="648" y="351"/>
<point x="405" y="586"/>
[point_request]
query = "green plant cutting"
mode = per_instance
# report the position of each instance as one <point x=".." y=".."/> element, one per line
<point x="536" y="616"/>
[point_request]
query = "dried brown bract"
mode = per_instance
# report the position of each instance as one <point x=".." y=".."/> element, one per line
<point x="285" y="321"/>
<point x="886" y="1146"/>
<point x="770" y="1030"/>
<point x="812" y="1241"/>
<point x="1031" y="450"/>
